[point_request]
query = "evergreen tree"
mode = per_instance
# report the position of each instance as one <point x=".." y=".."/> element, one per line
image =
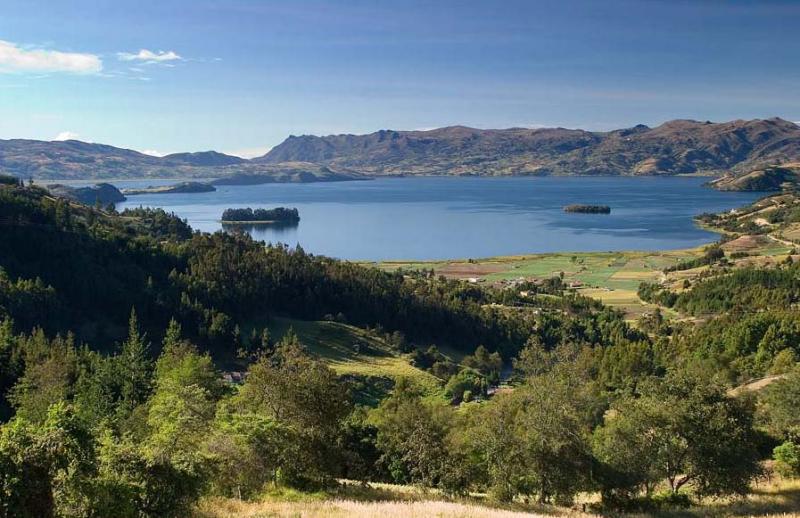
<point x="134" y="366"/>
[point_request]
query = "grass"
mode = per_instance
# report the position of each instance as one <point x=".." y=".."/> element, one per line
<point x="353" y="351"/>
<point x="769" y="499"/>
<point x="383" y="500"/>
<point x="356" y="509"/>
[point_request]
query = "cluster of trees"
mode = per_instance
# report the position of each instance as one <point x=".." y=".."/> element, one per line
<point x="755" y="329"/>
<point x="712" y="255"/>
<point x="279" y="214"/>
<point x="744" y="289"/>
<point x="779" y="404"/>
<point x="122" y="435"/>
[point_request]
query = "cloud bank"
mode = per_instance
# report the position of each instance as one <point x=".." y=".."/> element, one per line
<point x="14" y="58"/>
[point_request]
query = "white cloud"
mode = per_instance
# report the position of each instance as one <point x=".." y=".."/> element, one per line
<point x="14" y="58"/>
<point x="248" y="153"/>
<point x="153" y="152"/>
<point x="149" y="57"/>
<point x="66" y="135"/>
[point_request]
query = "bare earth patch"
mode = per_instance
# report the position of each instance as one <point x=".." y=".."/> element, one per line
<point x="468" y="270"/>
<point x="745" y="243"/>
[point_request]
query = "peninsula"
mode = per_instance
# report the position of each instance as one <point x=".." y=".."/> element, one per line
<point x="178" y="188"/>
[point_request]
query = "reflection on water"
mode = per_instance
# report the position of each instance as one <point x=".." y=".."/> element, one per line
<point x="272" y="228"/>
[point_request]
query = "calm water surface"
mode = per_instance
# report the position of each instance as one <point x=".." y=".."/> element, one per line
<point x="441" y="218"/>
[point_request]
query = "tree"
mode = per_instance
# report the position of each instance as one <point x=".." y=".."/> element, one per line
<point x="49" y="375"/>
<point x="134" y="483"/>
<point x="10" y="364"/>
<point x="683" y="429"/>
<point x="535" y="441"/>
<point x="488" y="364"/>
<point x="304" y="395"/>
<point x="46" y="469"/>
<point x="182" y="408"/>
<point x="247" y="450"/>
<point x="134" y="368"/>
<point x="787" y="459"/>
<point x="780" y="403"/>
<point x="415" y="437"/>
<point x="466" y="385"/>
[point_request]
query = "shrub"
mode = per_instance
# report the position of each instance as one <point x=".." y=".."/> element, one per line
<point x="787" y="459"/>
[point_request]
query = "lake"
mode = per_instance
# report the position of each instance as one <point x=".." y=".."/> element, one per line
<point x="446" y="218"/>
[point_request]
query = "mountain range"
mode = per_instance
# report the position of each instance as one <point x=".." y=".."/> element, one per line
<point x="676" y="147"/>
<point x="733" y="148"/>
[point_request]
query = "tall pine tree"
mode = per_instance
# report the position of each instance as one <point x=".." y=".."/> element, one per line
<point x="134" y="367"/>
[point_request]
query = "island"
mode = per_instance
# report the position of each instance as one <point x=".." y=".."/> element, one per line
<point x="178" y="188"/>
<point x="588" y="209"/>
<point x="248" y="216"/>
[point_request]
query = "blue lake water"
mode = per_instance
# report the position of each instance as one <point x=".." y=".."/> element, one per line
<point x="441" y="218"/>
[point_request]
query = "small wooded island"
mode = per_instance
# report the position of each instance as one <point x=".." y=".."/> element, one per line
<point x="588" y="209"/>
<point x="263" y="216"/>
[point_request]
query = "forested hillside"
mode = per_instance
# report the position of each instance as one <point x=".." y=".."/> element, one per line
<point x="115" y="330"/>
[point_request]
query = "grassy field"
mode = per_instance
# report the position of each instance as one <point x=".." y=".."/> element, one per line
<point x="353" y="351"/>
<point x="769" y="499"/>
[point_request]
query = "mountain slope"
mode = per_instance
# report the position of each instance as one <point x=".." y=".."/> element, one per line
<point x="676" y="147"/>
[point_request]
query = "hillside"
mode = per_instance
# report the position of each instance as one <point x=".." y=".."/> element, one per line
<point x="772" y="178"/>
<point x="676" y="147"/>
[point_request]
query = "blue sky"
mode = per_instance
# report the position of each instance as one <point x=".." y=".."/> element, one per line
<point x="241" y="75"/>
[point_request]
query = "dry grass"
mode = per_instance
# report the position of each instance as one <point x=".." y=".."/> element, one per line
<point x="770" y="499"/>
<point x="354" y="509"/>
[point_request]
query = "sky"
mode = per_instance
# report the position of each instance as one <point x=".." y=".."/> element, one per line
<point x="239" y="76"/>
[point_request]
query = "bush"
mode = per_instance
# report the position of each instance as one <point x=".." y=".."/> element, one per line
<point x="787" y="459"/>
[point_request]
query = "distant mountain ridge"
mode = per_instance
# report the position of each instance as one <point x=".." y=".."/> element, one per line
<point x="733" y="149"/>
<point x="204" y="159"/>
<point x="76" y="160"/>
<point x="675" y="147"/>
